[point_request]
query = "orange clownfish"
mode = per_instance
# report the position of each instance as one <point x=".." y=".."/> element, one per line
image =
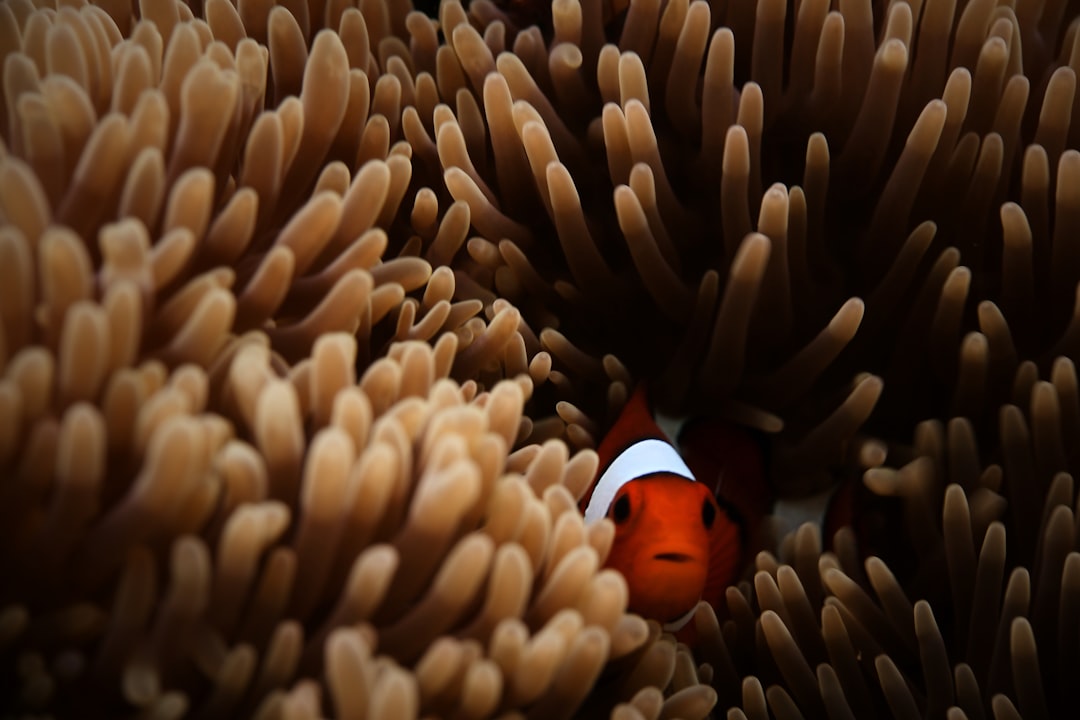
<point x="674" y="542"/>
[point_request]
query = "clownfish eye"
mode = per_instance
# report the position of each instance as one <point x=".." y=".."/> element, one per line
<point x="708" y="514"/>
<point x="620" y="513"/>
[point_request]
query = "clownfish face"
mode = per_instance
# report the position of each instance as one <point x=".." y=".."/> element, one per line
<point x="664" y="526"/>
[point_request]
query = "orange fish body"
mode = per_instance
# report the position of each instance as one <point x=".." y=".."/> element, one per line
<point x="674" y="543"/>
<point x="730" y="460"/>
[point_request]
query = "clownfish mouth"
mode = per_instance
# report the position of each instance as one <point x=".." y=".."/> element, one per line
<point x="673" y="557"/>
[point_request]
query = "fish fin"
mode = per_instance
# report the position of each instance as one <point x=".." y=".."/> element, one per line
<point x="635" y="423"/>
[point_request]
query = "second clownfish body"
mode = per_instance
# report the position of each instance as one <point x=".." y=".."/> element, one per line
<point x="675" y="543"/>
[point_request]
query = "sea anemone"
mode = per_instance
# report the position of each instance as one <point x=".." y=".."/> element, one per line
<point x="311" y="313"/>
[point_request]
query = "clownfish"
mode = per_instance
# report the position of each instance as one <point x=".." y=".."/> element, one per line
<point x="680" y="533"/>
